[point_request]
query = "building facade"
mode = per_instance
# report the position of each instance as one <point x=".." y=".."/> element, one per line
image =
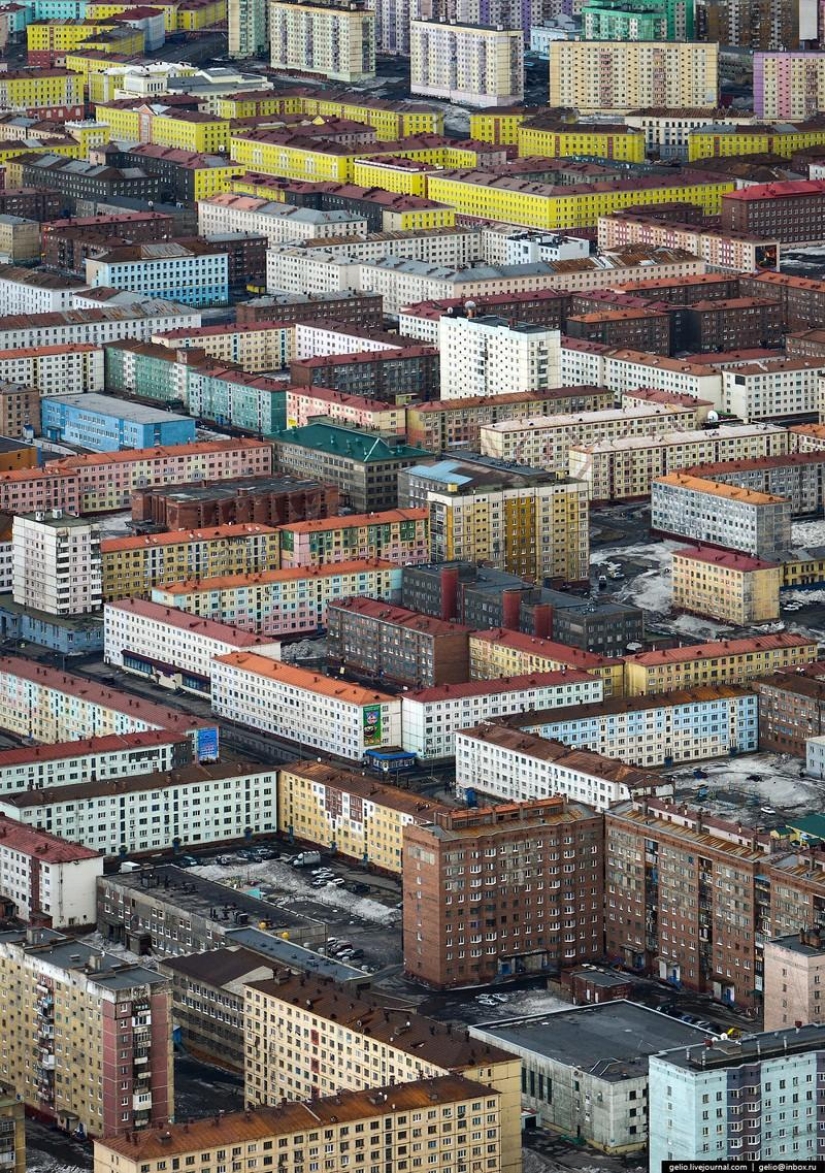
<point x="731" y="587"/>
<point x="336" y="41"/>
<point x="794" y="975"/>
<point x="51" y="881"/>
<point x="689" y="506"/>
<point x="727" y="661"/>
<point x="618" y="76"/>
<point x="473" y="63"/>
<point x="56" y="564"/>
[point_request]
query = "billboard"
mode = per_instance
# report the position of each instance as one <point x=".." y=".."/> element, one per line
<point x="372" y="724"/>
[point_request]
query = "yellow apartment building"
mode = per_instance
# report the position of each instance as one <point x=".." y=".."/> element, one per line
<point x="623" y="143"/>
<point x="405" y="176"/>
<point x="39" y="88"/>
<point x="543" y="205"/>
<point x="365" y="819"/>
<point x="193" y="15"/>
<point x="725" y="585"/>
<point x="498" y="126"/>
<point x="401" y="536"/>
<point x="333" y="1133"/>
<point x="306" y="1036"/>
<point x="133" y="566"/>
<point x="724" y="141"/>
<point x="259" y="346"/>
<point x="728" y="661"/>
<point x="60" y="37"/>
<point x="191" y="131"/>
<point x="391" y="120"/>
<point x="501" y="652"/>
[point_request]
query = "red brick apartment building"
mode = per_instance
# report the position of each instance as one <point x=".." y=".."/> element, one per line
<point x="790" y="212"/>
<point x="503" y="890"/>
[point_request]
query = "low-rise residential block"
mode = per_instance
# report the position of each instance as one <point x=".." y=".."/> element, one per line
<point x="401" y="536"/>
<point x="113" y="756"/>
<point x="506" y="653"/>
<point x="727" y="661"/>
<point x="689" y="506"/>
<point x="731" y="587"/>
<point x="50" y="879"/>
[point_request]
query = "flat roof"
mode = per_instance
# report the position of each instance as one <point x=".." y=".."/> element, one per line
<point x="125" y="409"/>
<point x="749" y="1049"/>
<point x="612" y="1041"/>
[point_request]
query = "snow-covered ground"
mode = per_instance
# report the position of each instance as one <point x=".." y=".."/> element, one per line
<point x="734" y="793"/>
<point x="808" y="533"/>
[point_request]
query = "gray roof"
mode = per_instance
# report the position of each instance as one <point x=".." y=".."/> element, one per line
<point x="613" y="1040"/>
<point x="292" y="956"/>
<point x="752" y="1049"/>
<point x="126" y="409"/>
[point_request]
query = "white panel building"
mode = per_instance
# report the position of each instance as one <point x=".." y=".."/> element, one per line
<point x="279" y="223"/>
<point x="56" y="564"/>
<point x="173" y="647"/>
<point x="48" y="875"/>
<point x="336" y="41"/>
<point x="482" y="65"/>
<point x="36" y="767"/>
<point x="196" y="804"/>
<point x="488" y="355"/>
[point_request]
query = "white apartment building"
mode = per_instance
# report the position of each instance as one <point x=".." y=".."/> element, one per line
<point x="315" y="711"/>
<point x="32" y="291"/>
<point x="6" y="565"/>
<point x="481" y="65"/>
<point x="622" y="371"/>
<point x="197" y="277"/>
<point x="486" y="355"/>
<point x="721" y="515"/>
<point x="337" y="42"/>
<point x="544" y="441"/>
<point x="614" y="77"/>
<point x="622" y="468"/>
<point x="48" y="875"/>
<point x="172" y="647"/>
<point x="195" y="804"/>
<point x="56" y="564"/>
<point x="431" y="717"/>
<point x="317" y="339"/>
<point x="516" y="766"/>
<point x="115" y="756"/>
<point x="282" y="602"/>
<point x="51" y="706"/>
<point x="772" y="388"/>
<point x="137" y="322"/>
<point x="651" y="731"/>
<point x="279" y="223"/>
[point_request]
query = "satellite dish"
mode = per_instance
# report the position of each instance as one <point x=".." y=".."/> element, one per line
<point x="713" y="417"/>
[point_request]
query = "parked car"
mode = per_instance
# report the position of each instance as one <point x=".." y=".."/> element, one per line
<point x="225" y="861"/>
<point x="186" y="861"/>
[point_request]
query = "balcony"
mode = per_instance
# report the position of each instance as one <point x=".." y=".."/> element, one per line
<point x="142" y="1102"/>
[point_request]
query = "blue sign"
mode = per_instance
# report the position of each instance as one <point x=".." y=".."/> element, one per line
<point x="206" y="744"/>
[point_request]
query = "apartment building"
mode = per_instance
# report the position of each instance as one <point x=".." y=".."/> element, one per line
<point x="655" y="853"/>
<point x="361" y="410"/>
<point x="19" y="410"/>
<point x="725" y="585"/>
<point x="53" y="369"/>
<point x="400" y="536"/>
<point x="370" y="1124"/>
<point x="480" y="356"/>
<point x="172" y="647"/>
<point x="623" y="468"/>
<point x="138" y="320"/>
<point x="397" y="376"/>
<point x="56" y="563"/>
<point x="63" y="239"/>
<point x="624" y="371"/>
<point x="48" y="878"/>
<point x="185" y="175"/>
<point x="450" y="425"/>
<point x="335" y="41"/>
<point x="794" y="972"/>
<point x="729" y="250"/>
<point x="103" y="423"/>
<point x="431" y="717"/>
<point x="797" y="476"/>
<point x="281" y="602"/>
<point x="364" y="819"/>
<point x="364" y="465"/>
<point x="112" y="756"/>
<point x="512" y="653"/>
<point x="619" y="76"/>
<point x="481" y="65"/>
<point x="515" y="766"/>
<point x="545" y="442"/>
<point x="457" y="860"/>
<point x="313" y="711"/>
<point x="92" y="1049"/>
<point x="688" y="506"/>
<point x="135" y="565"/>
<point x="705" y="722"/>
<point x="383" y="641"/>
<point x="788" y="85"/>
<point x="802" y="299"/>
<point x="47" y="705"/>
<point x="197" y="804"/>
<point x="266" y="500"/>
<point x="516" y="518"/>
<point x="255" y="346"/>
<point x="772" y="389"/>
<point x="791" y="709"/>
<point x="727" y="661"/>
<point x="283" y="1061"/>
<point x="787" y="211"/>
<point x="749" y="1078"/>
<point x="30" y="291"/>
<point x="546" y="307"/>
<point x="12" y="1131"/>
<point x="192" y="274"/>
<point x="279" y="222"/>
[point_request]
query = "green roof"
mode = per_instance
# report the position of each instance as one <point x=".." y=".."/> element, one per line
<point x="355" y="443"/>
<point x="811" y="826"/>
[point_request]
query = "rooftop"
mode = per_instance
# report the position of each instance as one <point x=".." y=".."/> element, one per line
<point x="749" y="1049"/>
<point x="401" y="617"/>
<point x="417" y="807"/>
<point x="73" y="750"/>
<point x="699" y="484"/>
<point x="351" y="443"/>
<point x="724" y="649"/>
<point x="113" y="408"/>
<point x="546" y="648"/>
<point x="286" y="674"/>
<point x="218" y="533"/>
<point x="47" y="848"/>
<point x="502" y="684"/>
<point x="183" y="621"/>
<point x="624" y="704"/>
<point x="355" y="520"/>
<point x="265" y="577"/>
<point x="729" y="559"/>
<point x="612" y="1041"/>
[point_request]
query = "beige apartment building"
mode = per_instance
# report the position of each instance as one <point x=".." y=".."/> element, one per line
<point x="334" y="40"/>
<point x="794" y="979"/>
<point x="726" y="585"/>
<point x="372" y="1129"/>
<point x="482" y="65"/>
<point x="308" y="1036"/>
<point x="616" y="77"/>
<point x="727" y="661"/>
